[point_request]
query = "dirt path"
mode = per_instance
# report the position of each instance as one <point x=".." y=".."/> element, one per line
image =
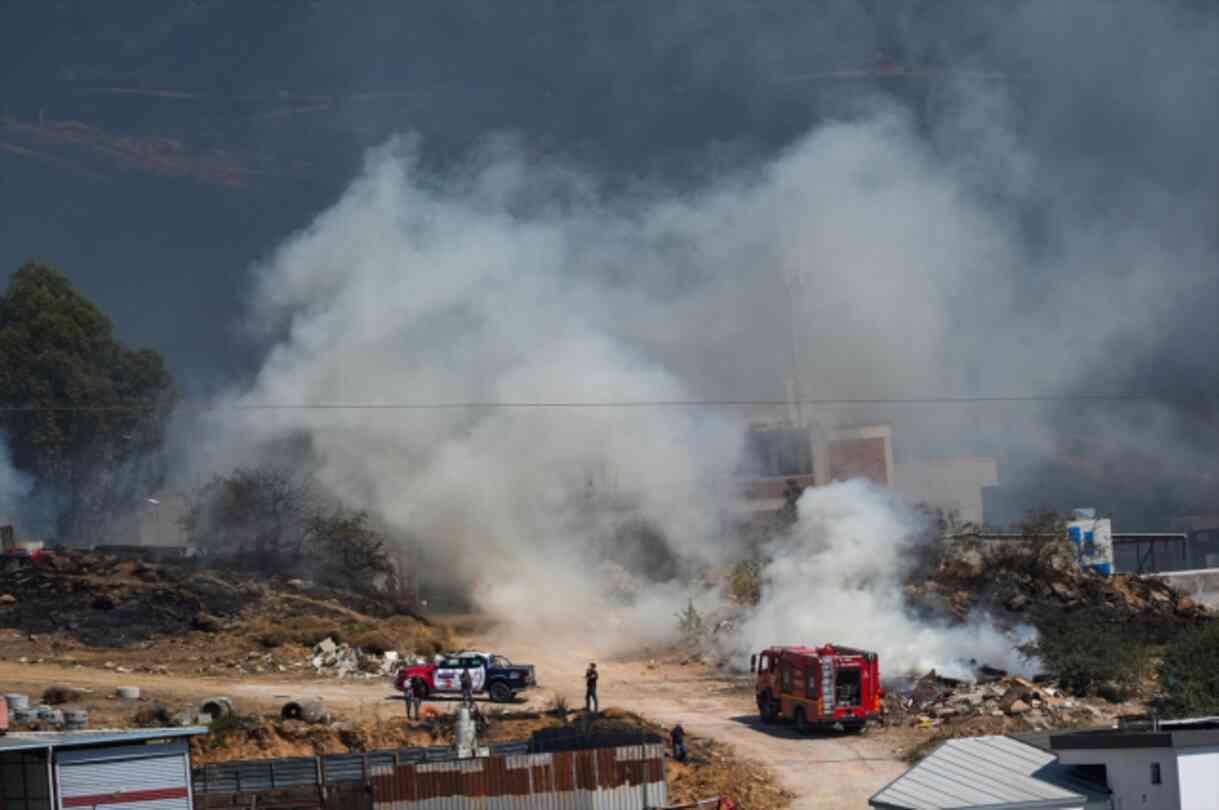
<point x="825" y="772"/>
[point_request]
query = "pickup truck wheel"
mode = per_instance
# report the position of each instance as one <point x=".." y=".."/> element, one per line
<point x="420" y="688"/>
<point x="500" y="692"/>
<point x="801" y="723"/>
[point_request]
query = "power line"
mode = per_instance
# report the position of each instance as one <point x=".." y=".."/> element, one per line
<point x="579" y="404"/>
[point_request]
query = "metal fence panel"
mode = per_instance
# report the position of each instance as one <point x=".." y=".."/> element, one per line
<point x="622" y="777"/>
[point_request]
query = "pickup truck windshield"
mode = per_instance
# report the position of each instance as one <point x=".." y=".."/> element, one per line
<point x="500" y="661"/>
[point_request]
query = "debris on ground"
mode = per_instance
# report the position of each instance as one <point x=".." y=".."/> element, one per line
<point x="994" y="704"/>
<point x="345" y="661"/>
<point x="1017" y="579"/>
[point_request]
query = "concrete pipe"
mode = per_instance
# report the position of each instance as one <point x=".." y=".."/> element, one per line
<point x="128" y="692"/>
<point x="16" y="701"/>
<point x="310" y="711"/>
<point x="216" y="707"/>
<point x="75" y="719"/>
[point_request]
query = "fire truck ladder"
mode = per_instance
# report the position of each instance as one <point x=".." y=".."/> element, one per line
<point x="827" y="685"/>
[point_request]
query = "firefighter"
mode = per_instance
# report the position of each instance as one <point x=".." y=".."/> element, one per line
<point x="467" y="688"/>
<point x="590" y="688"/>
<point x="678" y="736"/>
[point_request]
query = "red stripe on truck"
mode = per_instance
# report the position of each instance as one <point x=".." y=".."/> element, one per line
<point x="125" y="797"/>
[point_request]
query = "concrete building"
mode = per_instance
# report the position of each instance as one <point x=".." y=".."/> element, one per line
<point x="1174" y="764"/>
<point x="1169" y="765"/>
<point x="145" y="769"/>
<point x="951" y="484"/>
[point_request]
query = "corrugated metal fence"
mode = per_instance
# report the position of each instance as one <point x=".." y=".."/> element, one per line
<point x="615" y="777"/>
<point x="621" y="778"/>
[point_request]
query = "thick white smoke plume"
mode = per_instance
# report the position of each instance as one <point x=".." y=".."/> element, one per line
<point x="517" y="282"/>
<point x="840" y="576"/>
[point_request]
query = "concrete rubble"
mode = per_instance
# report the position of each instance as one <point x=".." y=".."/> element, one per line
<point x="340" y="660"/>
<point x="1011" y="702"/>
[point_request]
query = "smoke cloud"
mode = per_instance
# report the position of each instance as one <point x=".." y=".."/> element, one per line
<point x="882" y="256"/>
<point x="840" y="574"/>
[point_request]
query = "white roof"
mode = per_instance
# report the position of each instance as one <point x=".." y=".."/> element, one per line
<point x="985" y="772"/>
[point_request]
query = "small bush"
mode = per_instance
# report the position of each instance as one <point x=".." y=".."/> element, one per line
<point x="59" y="695"/>
<point x="154" y="715"/>
<point x="1189" y="673"/>
<point x="372" y="640"/>
<point x="229" y="725"/>
<point x="1089" y="653"/>
<point x="746" y="582"/>
<point x="690" y="624"/>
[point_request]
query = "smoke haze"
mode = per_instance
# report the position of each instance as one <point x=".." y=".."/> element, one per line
<point x="688" y="190"/>
<point x="840" y="574"/>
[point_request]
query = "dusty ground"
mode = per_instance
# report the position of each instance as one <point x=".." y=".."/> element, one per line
<point x="822" y="771"/>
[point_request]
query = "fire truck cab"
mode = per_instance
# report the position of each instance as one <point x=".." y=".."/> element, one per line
<point x="817" y="686"/>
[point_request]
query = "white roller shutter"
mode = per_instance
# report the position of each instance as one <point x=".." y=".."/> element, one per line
<point x="155" y="777"/>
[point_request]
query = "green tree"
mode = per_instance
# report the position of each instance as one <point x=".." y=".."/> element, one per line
<point x="349" y="553"/>
<point x="1189" y="673"/>
<point x="81" y="410"/>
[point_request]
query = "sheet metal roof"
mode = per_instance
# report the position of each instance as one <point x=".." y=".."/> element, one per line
<point x="985" y="772"/>
<point x="31" y="740"/>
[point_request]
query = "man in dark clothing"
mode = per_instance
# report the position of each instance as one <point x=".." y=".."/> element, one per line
<point x="678" y="735"/>
<point x="467" y="687"/>
<point x="408" y="694"/>
<point x="590" y="690"/>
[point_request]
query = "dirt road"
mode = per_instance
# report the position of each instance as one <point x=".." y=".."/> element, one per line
<point x="827" y="771"/>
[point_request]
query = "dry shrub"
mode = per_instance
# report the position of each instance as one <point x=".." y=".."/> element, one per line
<point x="154" y="715"/>
<point x="59" y="695"/>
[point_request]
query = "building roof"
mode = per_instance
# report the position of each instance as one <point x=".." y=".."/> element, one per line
<point x="997" y="773"/>
<point x="1169" y="734"/>
<point x="47" y="740"/>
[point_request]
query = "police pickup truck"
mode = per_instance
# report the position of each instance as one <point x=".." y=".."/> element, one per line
<point x="492" y="674"/>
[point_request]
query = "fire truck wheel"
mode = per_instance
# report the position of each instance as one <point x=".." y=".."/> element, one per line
<point x="854" y="728"/>
<point x="801" y="723"/>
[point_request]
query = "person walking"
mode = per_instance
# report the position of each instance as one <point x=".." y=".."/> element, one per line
<point x="678" y="736"/>
<point x="467" y="688"/>
<point x="590" y="689"/>
<point x="408" y="695"/>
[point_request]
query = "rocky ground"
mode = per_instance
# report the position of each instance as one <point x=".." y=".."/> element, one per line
<point x="1016" y="580"/>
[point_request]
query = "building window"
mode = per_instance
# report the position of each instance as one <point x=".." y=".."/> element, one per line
<point x="1155" y="773"/>
<point x="787" y="678"/>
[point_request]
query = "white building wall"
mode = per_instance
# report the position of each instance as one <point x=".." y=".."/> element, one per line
<point x="951" y="484"/>
<point x="1129" y="774"/>
<point x="1198" y="776"/>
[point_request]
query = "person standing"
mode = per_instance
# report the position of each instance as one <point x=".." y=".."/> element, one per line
<point x="590" y="689"/>
<point x="467" y="688"/>
<point x="678" y="736"/>
<point x="408" y="695"/>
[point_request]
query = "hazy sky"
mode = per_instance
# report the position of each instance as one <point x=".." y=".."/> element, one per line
<point x="157" y="150"/>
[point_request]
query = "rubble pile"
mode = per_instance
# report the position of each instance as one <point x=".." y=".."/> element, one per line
<point x="1019" y="579"/>
<point x="344" y="661"/>
<point x="1008" y="702"/>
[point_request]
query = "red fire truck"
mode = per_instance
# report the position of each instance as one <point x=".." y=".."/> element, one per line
<point x="817" y="686"/>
